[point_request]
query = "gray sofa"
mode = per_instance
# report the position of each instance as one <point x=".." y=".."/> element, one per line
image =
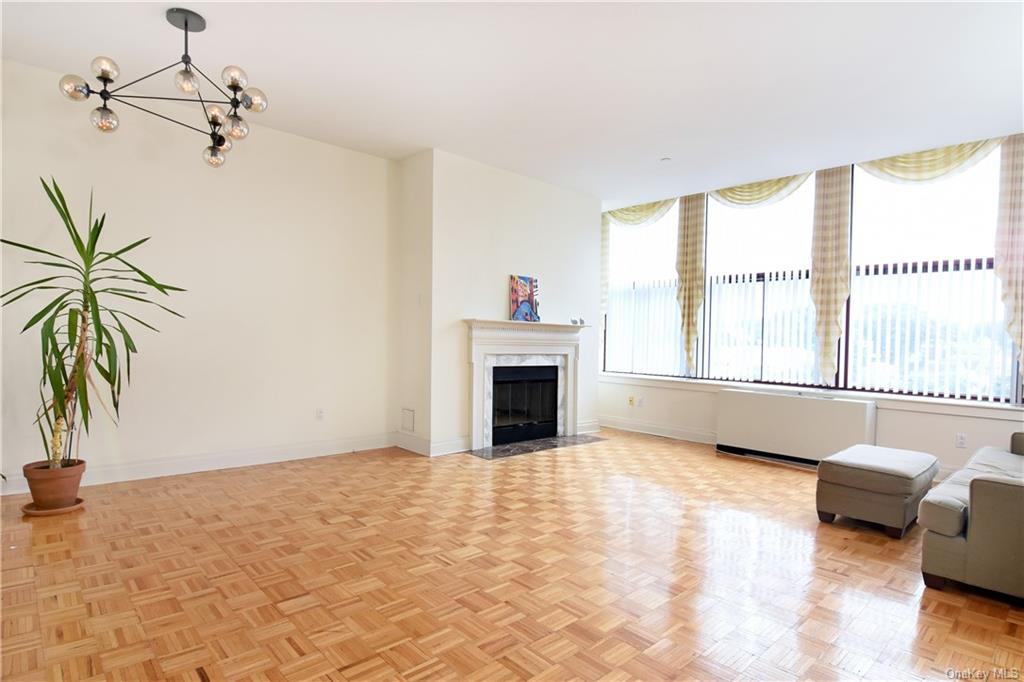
<point x="975" y="523"/>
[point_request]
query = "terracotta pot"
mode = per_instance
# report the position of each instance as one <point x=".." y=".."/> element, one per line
<point x="54" y="488"/>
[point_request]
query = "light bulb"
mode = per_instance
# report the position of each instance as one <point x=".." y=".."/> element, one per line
<point x="106" y="68"/>
<point x="224" y="143"/>
<point x="104" y="119"/>
<point x="214" y="157"/>
<point x="236" y="127"/>
<point x="74" y="87"/>
<point x="255" y="100"/>
<point x="216" y="114"/>
<point x="186" y="81"/>
<point x="234" y="77"/>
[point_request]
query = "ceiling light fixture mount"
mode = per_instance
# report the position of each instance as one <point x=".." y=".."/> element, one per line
<point x="223" y="122"/>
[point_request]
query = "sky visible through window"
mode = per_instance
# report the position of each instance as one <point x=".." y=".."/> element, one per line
<point x="892" y="223"/>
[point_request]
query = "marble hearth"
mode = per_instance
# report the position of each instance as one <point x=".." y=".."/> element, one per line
<point x="503" y="343"/>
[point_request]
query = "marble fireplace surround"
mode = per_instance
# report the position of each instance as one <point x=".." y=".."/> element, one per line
<point x="503" y="343"/>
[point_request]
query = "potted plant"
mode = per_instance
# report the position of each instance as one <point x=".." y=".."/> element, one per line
<point x="85" y="340"/>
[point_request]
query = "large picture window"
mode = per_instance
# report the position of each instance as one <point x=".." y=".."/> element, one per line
<point x="645" y="338"/>
<point x="759" y="315"/>
<point x="924" y="315"/>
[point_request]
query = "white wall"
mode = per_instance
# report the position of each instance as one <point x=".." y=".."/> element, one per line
<point x="489" y="224"/>
<point x="411" y="304"/>
<point x="284" y="254"/>
<point x="688" y="410"/>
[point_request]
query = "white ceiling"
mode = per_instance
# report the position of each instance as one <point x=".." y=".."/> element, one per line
<point x="588" y="96"/>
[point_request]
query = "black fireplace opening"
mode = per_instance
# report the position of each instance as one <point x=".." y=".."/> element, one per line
<point x="525" y="404"/>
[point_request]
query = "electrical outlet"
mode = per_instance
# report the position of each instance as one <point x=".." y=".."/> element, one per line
<point x="960" y="440"/>
<point x="631" y="401"/>
<point x="319" y="414"/>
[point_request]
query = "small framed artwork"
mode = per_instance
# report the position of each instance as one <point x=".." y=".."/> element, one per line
<point x="523" y="302"/>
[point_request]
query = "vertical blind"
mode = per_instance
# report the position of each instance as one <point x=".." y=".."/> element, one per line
<point x="932" y="328"/>
<point x="925" y="326"/>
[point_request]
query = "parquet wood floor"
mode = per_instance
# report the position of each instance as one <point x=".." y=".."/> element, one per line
<point x="631" y="558"/>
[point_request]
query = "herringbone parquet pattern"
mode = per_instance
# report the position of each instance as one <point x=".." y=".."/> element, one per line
<point x="631" y="558"/>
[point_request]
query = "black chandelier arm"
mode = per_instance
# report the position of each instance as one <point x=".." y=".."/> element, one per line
<point x="137" y="80"/>
<point x="206" y="114"/>
<point x="176" y="99"/>
<point x="166" y="118"/>
<point x="211" y="82"/>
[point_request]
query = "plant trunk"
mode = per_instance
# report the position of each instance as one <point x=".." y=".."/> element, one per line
<point x="70" y="395"/>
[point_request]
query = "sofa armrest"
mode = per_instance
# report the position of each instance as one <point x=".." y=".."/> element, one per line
<point x="995" y="534"/>
<point x="1017" y="443"/>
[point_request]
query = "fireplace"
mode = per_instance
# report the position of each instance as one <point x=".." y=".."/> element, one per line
<point x="525" y="403"/>
<point x="498" y="344"/>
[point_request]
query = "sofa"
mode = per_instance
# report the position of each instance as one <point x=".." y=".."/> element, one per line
<point x="974" y="523"/>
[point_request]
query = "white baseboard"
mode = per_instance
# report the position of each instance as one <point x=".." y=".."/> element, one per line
<point x="411" y="442"/>
<point x="589" y="426"/>
<point x="450" y="447"/>
<point x="96" y="474"/>
<point x="654" y="429"/>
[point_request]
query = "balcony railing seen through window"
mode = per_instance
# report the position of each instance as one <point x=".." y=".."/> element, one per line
<point x="931" y="328"/>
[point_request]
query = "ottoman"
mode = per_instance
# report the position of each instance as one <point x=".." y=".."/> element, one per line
<point x="871" y="483"/>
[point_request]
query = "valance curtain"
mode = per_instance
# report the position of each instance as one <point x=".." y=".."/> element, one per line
<point x="1009" y="255"/>
<point x="690" y="269"/>
<point x="830" y="262"/>
<point x="630" y="216"/>
<point x="756" y="194"/>
<point x="930" y="164"/>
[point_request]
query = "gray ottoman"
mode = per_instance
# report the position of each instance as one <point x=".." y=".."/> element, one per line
<point x="871" y="483"/>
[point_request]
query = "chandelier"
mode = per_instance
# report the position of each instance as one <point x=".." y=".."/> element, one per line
<point x="223" y="126"/>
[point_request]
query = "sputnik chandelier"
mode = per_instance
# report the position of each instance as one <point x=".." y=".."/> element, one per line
<point x="223" y="122"/>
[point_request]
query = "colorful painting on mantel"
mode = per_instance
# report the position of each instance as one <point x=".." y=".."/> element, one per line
<point x="522" y="298"/>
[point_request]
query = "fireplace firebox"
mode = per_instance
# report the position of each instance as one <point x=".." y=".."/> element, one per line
<point x="525" y="403"/>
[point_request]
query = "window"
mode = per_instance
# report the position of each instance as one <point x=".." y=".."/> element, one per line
<point x="760" y="321"/>
<point x="924" y="315"/>
<point x="643" y="331"/>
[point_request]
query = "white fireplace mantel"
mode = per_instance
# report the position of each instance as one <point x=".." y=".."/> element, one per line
<point x="510" y="342"/>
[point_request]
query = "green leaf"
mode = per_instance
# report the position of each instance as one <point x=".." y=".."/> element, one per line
<point x="110" y="255"/>
<point x="32" y="284"/>
<point x="103" y="372"/>
<point x="145" y="324"/>
<point x="145" y="300"/>
<point x="94" y="231"/>
<point x="162" y="288"/>
<point x="82" y="395"/>
<point x="61" y="205"/>
<point x="94" y="311"/>
<point x="168" y="287"/>
<point x="129" y="343"/>
<point x="26" y="247"/>
<point x="42" y="434"/>
<point x="122" y="290"/>
<point x="72" y="327"/>
<point x="55" y="374"/>
<point x="69" y="266"/>
<point x="43" y="313"/>
<point x="111" y="356"/>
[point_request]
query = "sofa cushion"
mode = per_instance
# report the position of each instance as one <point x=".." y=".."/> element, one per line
<point x="944" y="508"/>
<point x="882" y="470"/>
<point x="998" y="462"/>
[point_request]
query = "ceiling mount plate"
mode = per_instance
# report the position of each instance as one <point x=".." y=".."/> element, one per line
<point x="186" y="20"/>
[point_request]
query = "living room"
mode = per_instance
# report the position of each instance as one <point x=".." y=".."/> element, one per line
<point x="512" y="340"/>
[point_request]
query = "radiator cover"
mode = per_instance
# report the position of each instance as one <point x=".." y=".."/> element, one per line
<point x="792" y="425"/>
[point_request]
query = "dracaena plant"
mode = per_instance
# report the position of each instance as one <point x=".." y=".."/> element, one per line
<point x="84" y="329"/>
